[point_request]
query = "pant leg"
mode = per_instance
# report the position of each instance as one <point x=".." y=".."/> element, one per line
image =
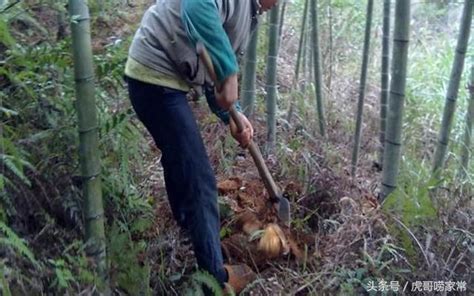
<point x="147" y="102"/>
<point x="190" y="181"/>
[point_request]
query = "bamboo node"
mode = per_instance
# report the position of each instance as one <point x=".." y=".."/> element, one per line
<point x="95" y="217"/>
<point x="392" y="142"/>
<point x="83" y="131"/>
<point x="84" y="79"/>
<point x="388" y="185"/>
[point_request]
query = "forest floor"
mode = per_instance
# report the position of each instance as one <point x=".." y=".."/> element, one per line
<point x="334" y="215"/>
<point x="314" y="245"/>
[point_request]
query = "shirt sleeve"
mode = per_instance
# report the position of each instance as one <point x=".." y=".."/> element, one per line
<point x="224" y="115"/>
<point x="202" y="23"/>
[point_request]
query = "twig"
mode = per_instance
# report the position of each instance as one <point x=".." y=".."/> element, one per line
<point x="41" y="232"/>
<point x="311" y="282"/>
<point x="10" y="6"/>
<point x="449" y="257"/>
<point x="457" y="263"/>
<point x="414" y="238"/>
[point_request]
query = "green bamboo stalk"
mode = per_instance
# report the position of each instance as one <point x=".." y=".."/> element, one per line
<point x="466" y="149"/>
<point x="282" y="19"/>
<point x="391" y="157"/>
<point x="362" y="87"/>
<point x="385" y="77"/>
<point x="453" y="88"/>
<point x="331" y="53"/>
<point x="101" y="7"/>
<point x="88" y="134"/>
<point x="318" y="81"/>
<point x="272" y="77"/>
<point x="298" y="59"/>
<point x="310" y="52"/>
<point x="301" y="42"/>
<point x="249" y="75"/>
<point x="304" y="61"/>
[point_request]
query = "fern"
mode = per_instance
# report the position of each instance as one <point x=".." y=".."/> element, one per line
<point x="5" y="36"/>
<point x="13" y="159"/>
<point x="130" y="274"/>
<point x="4" y="287"/>
<point x="2" y="182"/>
<point x="202" y="278"/>
<point x="12" y="240"/>
<point x="16" y="169"/>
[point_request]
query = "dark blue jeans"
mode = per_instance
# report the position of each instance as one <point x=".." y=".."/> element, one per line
<point x="189" y="178"/>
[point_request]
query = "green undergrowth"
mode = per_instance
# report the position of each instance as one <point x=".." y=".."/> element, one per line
<point x="40" y="187"/>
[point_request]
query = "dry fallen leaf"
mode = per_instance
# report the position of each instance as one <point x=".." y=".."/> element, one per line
<point x="229" y="185"/>
<point x="249" y="222"/>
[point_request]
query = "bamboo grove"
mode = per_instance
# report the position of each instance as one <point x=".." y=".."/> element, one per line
<point x="392" y="97"/>
<point x="308" y="84"/>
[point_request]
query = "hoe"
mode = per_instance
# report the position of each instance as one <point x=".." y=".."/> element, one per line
<point x="276" y="198"/>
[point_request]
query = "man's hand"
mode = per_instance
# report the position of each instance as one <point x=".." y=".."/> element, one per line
<point x="246" y="135"/>
<point x="228" y="92"/>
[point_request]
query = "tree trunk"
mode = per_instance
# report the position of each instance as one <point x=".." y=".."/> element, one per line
<point x="249" y="75"/>
<point x="362" y="86"/>
<point x="298" y="60"/>
<point x="453" y="88"/>
<point x="88" y="134"/>
<point x="385" y="77"/>
<point x="272" y="77"/>
<point x="466" y="150"/>
<point x="392" y="152"/>
<point x="318" y="81"/>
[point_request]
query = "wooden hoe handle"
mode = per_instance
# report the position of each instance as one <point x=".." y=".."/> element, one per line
<point x="267" y="178"/>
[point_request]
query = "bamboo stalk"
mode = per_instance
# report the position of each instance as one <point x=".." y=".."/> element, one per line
<point x="310" y="59"/>
<point x="331" y="53"/>
<point x="466" y="149"/>
<point x="272" y="77"/>
<point x="249" y="76"/>
<point x="304" y="57"/>
<point x="88" y="134"/>
<point x="393" y="135"/>
<point x="282" y="19"/>
<point x="385" y="77"/>
<point x="298" y="59"/>
<point x="318" y="81"/>
<point x="453" y="88"/>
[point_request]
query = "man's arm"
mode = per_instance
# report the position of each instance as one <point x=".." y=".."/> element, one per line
<point x="203" y="24"/>
<point x="215" y="108"/>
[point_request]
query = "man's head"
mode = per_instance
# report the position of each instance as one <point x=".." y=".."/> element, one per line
<point x="266" y="5"/>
